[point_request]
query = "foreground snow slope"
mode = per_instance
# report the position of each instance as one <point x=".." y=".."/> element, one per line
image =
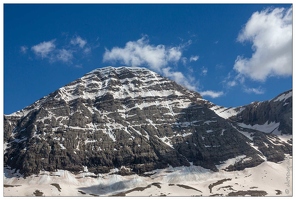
<point x="267" y="179"/>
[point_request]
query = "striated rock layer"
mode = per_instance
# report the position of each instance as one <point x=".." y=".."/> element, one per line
<point x="133" y="119"/>
<point x="276" y="111"/>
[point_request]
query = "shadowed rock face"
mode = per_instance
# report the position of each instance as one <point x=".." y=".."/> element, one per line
<point x="127" y="118"/>
<point x="277" y="110"/>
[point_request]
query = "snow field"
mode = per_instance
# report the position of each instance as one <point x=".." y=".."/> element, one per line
<point x="273" y="178"/>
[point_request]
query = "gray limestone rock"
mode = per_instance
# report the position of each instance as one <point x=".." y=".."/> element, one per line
<point x="137" y="121"/>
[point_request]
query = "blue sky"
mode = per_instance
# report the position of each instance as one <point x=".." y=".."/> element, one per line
<point x="233" y="54"/>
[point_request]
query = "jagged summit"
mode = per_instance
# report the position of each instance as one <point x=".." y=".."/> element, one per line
<point x="132" y="119"/>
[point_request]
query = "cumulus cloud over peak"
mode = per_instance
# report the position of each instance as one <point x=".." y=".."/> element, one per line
<point x="44" y="48"/>
<point x="270" y="32"/>
<point x="140" y="52"/>
<point x="155" y="57"/>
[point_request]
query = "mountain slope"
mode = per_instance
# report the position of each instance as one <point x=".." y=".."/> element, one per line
<point x="274" y="116"/>
<point x="133" y="119"/>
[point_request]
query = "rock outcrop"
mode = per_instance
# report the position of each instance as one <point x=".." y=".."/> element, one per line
<point x="278" y="110"/>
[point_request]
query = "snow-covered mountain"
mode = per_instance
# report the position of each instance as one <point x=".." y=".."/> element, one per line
<point x="134" y="120"/>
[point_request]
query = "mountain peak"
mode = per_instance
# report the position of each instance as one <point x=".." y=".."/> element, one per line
<point x="119" y="82"/>
<point x="109" y="69"/>
<point x="126" y="116"/>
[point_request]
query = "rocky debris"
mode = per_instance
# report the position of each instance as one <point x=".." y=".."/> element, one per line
<point x="218" y="183"/>
<point x="252" y="193"/>
<point x="278" y="192"/>
<point x="132" y="118"/>
<point x="57" y="186"/>
<point x="38" y="193"/>
<point x="188" y="187"/>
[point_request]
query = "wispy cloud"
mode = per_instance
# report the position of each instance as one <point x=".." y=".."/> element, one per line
<point x="193" y="58"/>
<point x="254" y="90"/>
<point x="79" y="66"/>
<point x="204" y="71"/>
<point x="179" y="77"/>
<point x="184" y="60"/>
<point x="64" y="51"/>
<point x="78" y="41"/>
<point x="240" y="80"/>
<point x="43" y="49"/>
<point x="156" y="57"/>
<point x="87" y="50"/>
<point x="270" y="32"/>
<point x="212" y="94"/>
<point x="233" y="80"/>
<point x="23" y="49"/>
<point x="64" y="55"/>
<point x="231" y="83"/>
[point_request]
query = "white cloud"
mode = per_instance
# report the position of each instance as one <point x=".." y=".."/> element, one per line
<point x="173" y="54"/>
<point x="155" y="57"/>
<point x="87" y="50"/>
<point x="240" y="80"/>
<point x="79" y="66"/>
<point x="44" y="48"/>
<point x="78" y="41"/>
<point x="186" y="44"/>
<point x="140" y="52"/>
<point x="184" y="60"/>
<point x="193" y="58"/>
<point x="254" y="90"/>
<point x="270" y="32"/>
<point x="212" y="94"/>
<point x="204" y="71"/>
<point x="189" y="83"/>
<point x="64" y="55"/>
<point x="63" y="51"/>
<point x="24" y="49"/>
<point x="231" y="83"/>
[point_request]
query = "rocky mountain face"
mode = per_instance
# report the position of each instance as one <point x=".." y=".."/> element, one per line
<point x="276" y="111"/>
<point x="135" y="120"/>
<point x="273" y="116"/>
